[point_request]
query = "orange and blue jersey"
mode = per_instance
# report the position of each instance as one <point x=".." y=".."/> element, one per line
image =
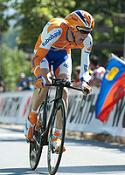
<point x="54" y="38"/>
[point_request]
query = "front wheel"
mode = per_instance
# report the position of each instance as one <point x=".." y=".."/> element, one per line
<point x="58" y="114"/>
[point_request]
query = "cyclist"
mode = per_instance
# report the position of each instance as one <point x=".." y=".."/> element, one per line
<point x="53" y="47"/>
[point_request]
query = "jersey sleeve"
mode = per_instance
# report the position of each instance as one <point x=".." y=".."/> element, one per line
<point x="47" y="40"/>
<point x="84" y="73"/>
<point x="88" y="43"/>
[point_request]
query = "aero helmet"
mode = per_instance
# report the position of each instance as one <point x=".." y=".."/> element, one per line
<point x="81" y="20"/>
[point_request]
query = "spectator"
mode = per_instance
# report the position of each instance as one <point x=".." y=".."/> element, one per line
<point x="96" y="71"/>
<point x="29" y="84"/>
<point x="77" y="76"/>
<point x="2" y="86"/>
<point x="93" y="63"/>
<point x="22" y="82"/>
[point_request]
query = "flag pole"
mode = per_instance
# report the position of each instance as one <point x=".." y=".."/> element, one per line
<point x="124" y="47"/>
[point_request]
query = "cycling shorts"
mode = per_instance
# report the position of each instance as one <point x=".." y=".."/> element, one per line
<point x="59" y="60"/>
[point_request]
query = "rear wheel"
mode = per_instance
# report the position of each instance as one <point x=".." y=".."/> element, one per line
<point x="37" y="146"/>
<point x="54" y="158"/>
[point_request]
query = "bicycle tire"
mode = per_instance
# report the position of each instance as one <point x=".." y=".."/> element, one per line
<point x="37" y="146"/>
<point x="60" y="104"/>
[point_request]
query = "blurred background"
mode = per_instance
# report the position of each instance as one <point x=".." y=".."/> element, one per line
<point x="21" y="21"/>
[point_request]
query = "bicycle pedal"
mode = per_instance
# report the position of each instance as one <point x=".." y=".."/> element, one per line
<point x="29" y="141"/>
<point x="38" y="126"/>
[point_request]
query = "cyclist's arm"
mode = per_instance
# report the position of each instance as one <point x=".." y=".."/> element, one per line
<point x="84" y="71"/>
<point x="48" y="39"/>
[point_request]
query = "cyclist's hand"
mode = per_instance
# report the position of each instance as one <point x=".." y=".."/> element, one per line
<point x="40" y="82"/>
<point x="86" y="88"/>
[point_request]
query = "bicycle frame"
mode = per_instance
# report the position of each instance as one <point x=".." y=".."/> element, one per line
<point x="47" y="125"/>
<point x="58" y="95"/>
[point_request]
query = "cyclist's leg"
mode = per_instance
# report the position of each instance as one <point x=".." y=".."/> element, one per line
<point x="38" y="97"/>
<point x="62" y="72"/>
<point x="40" y="94"/>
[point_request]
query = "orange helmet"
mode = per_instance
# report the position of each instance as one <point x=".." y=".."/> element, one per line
<point x="81" y="21"/>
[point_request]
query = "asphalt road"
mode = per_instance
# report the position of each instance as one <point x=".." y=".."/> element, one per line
<point x="81" y="158"/>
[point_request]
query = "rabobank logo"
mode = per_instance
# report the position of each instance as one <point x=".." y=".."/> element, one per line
<point x="52" y="36"/>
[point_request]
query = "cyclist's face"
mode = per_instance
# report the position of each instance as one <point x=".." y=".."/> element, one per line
<point x="79" y="37"/>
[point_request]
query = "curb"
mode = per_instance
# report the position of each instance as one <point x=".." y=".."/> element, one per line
<point x="77" y="135"/>
<point x="99" y="137"/>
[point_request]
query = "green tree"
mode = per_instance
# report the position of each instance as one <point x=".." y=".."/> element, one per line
<point x="3" y="24"/>
<point x="13" y="63"/>
<point x="108" y="34"/>
<point x="33" y="15"/>
<point x="9" y="38"/>
<point x="3" y="18"/>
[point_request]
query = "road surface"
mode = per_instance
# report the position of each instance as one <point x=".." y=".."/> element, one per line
<point x="81" y="158"/>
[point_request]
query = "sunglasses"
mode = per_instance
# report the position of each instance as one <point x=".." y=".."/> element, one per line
<point x="81" y="30"/>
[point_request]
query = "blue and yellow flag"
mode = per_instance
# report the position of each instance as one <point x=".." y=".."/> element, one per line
<point x="112" y="87"/>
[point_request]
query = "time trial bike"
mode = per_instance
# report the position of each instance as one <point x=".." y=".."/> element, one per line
<point x="43" y="135"/>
